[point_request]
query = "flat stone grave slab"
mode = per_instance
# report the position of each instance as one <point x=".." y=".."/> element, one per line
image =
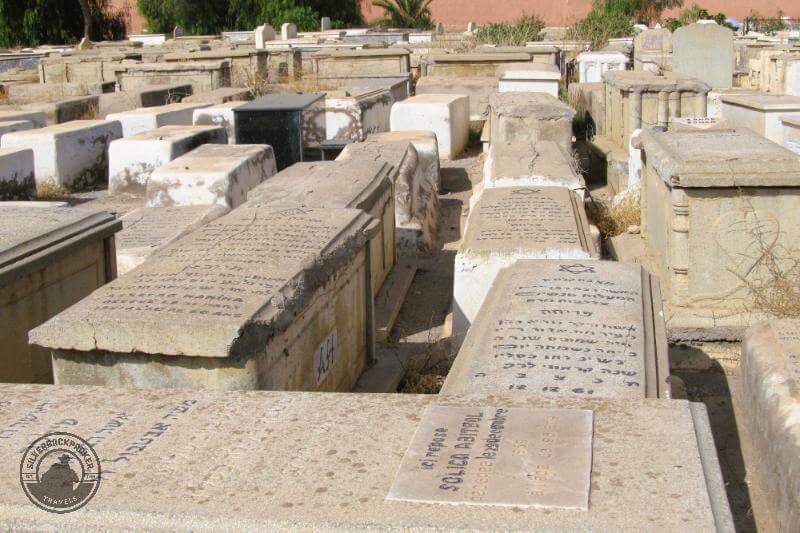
<point x="791" y="133"/>
<point x="530" y="117"/>
<point x="219" y="115"/>
<point x="66" y="110"/>
<point x="512" y="223"/>
<point x="469" y="64"/>
<point x="257" y="299"/>
<point x="770" y="402"/>
<point x="38" y="119"/>
<point x="480" y="440"/>
<point x="213" y="447"/>
<point x="202" y="75"/>
<point x="529" y="77"/>
<point x="51" y="256"/>
<point x="542" y="163"/>
<point x="14" y="125"/>
<point x="760" y="112"/>
<point x="16" y="174"/>
<point x="72" y="156"/>
<point x="148" y="229"/>
<point x="447" y="115"/>
<point x="132" y="160"/>
<point x="714" y="203"/>
<point x="353" y="113"/>
<point x="567" y="328"/>
<point x="145" y="119"/>
<point x="592" y="65"/>
<point x="478" y="88"/>
<point x="211" y="174"/>
<point x="340" y="184"/>
<point x="220" y="96"/>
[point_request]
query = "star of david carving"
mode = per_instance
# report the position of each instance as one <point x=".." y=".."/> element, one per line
<point x="577" y="269"/>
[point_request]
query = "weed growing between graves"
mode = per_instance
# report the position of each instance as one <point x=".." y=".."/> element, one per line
<point x="527" y="28"/>
<point x="50" y="190"/>
<point x="615" y="220"/>
<point x="774" y="280"/>
<point x="425" y="373"/>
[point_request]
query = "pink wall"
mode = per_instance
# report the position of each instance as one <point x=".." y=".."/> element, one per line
<point x="458" y="13"/>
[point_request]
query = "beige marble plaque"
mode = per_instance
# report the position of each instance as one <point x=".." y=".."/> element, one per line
<point x="498" y="456"/>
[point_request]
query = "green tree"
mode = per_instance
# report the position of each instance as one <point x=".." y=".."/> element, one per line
<point x="36" y="22"/>
<point x="406" y="13"/>
<point x="601" y="25"/>
<point x="643" y="11"/>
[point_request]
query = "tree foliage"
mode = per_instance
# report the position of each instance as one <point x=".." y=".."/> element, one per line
<point x="692" y="14"/>
<point x="601" y="24"/>
<point x="214" y="16"/>
<point x="405" y="13"/>
<point x="36" y="22"/>
<point x="641" y="11"/>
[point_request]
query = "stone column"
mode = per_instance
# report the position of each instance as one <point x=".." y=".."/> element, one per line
<point x="674" y="104"/>
<point x="663" y="110"/>
<point x="635" y="113"/>
<point x="703" y="111"/>
<point x="679" y="248"/>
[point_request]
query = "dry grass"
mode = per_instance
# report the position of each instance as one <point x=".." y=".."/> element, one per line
<point x="773" y="282"/>
<point x="426" y="373"/>
<point x="50" y="190"/>
<point x="616" y="219"/>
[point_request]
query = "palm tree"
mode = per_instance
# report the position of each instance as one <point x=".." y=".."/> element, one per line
<point x="406" y="13"/>
<point x="87" y="18"/>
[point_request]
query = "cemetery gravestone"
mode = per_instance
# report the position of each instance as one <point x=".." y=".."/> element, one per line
<point x="714" y="202"/>
<point x="288" y="31"/>
<point x="447" y="115"/>
<point x="219" y="174"/>
<point x="530" y="117"/>
<point x="17" y="180"/>
<point x="770" y="400"/>
<point x="244" y="302"/>
<point x="635" y="478"/>
<point x="512" y="223"/>
<point x="50" y="257"/>
<point x="567" y="328"/>
<point x="704" y="52"/>
<point x="146" y="119"/>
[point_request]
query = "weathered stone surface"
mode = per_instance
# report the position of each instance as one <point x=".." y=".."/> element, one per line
<point x="263" y="34"/>
<point x="791" y="132"/>
<point x="543" y="163"/>
<point x="61" y="111"/>
<point x="133" y="159"/>
<point x="530" y="117"/>
<point x="496" y="473"/>
<point x="760" y="112"/>
<point x="477" y="88"/>
<point x="146" y="119"/>
<point x="652" y="50"/>
<point x="643" y="100"/>
<point x="770" y="399"/>
<point x="72" y="155"/>
<point x="469" y="64"/>
<point x="365" y="185"/>
<point x="512" y="223"/>
<point x="220" y="96"/>
<point x="353" y="114"/>
<point x="705" y="52"/>
<point x="219" y="115"/>
<point x="17" y="180"/>
<point x="14" y="125"/>
<point x="38" y="119"/>
<point x="416" y="201"/>
<point x="714" y="203"/>
<point x="288" y="31"/>
<point x="529" y="77"/>
<point x="244" y="302"/>
<point x="447" y="115"/>
<point x="592" y="65"/>
<point x="211" y="174"/>
<point x="148" y="229"/>
<point x="326" y="63"/>
<point x="148" y="96"/>
<point x="51" y="256"/>
<point x="203" y="75"/>
<point x="567" y="328"/>
<point x="636" y="477"/>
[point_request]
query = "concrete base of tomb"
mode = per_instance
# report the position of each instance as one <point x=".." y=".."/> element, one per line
<point x="608" y="162"/>
<point x="391" y="296"/>
<point x="685" y="323"/>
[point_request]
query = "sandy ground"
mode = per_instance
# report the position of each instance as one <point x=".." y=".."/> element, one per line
<point x="709" y="372"/>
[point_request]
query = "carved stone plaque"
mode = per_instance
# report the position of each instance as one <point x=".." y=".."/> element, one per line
<point x="498" y="456"/>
